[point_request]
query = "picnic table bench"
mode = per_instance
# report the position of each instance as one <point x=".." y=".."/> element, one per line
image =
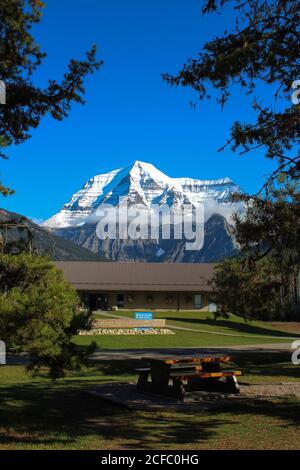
<point x="175" y="375"/>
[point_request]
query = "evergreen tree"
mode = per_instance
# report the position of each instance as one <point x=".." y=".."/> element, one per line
<point x="262" y="48"/>
<point x="264" y="278"/>
<point x="271" y="228"/>
<point x="39" y="313"/>
<point x="20" y="57"/>
<point x="38" y="308"/>
<point x="249" y="292"/>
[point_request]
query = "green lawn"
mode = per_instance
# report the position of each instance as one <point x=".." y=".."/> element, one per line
<point x="241" y="333"/>
<point x="36" y="413"/>
<point x="182" y="339"/>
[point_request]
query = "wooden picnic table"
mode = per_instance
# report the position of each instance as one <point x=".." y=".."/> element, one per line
<point x="175" y="375"/>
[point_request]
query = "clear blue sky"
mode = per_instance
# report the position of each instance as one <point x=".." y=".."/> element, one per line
<point x="131" y="114"/>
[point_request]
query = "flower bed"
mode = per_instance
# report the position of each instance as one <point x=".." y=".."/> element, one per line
<point x="126" y="331"/>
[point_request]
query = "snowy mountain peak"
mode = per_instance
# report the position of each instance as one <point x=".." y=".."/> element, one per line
<point x="140" y="183"/>
<point x="147" y="172"/>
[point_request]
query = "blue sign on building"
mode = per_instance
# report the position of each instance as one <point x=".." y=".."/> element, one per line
<point x="143" y="316"/>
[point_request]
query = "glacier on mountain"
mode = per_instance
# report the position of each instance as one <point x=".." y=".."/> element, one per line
<point x="143" y="184"/>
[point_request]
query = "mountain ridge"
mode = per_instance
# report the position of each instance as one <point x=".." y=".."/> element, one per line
<point x="45" y="242"/>
<point x="142" y="184"/>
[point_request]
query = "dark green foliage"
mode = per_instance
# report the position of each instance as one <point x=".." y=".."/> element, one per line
<point x="262" y="283"/>
<point x="271" y="226"/>
<point x="20" y="57"/>
<point x="38" y="313"/>
<point x="252" y="293"/>
<point x="271" y="229"/>
<point x="263" y="48"/>
<point x="38" y="308"/>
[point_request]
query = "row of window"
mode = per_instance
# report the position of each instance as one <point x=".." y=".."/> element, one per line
<point x="168" y="299"/>
<point x="104" y="301"/>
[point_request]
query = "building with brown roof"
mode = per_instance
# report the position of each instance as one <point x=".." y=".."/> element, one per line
<point x="143" y="286"/>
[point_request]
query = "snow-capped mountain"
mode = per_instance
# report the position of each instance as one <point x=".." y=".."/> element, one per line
<point x="143" y="184"/>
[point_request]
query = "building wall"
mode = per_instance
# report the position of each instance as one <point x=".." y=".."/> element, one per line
<point x="155" y="300"/>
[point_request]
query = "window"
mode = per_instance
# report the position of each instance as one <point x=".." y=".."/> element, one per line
<point x="198" y="301"/>
<point x="86" y="301"/>
<point x="120" y="300"/>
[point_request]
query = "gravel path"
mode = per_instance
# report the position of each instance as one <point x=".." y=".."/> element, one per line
<point x="271" y="390"/>
<point x="129" y="396"/>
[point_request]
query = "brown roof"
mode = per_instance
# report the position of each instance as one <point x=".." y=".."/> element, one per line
<point x="95" y="276"/>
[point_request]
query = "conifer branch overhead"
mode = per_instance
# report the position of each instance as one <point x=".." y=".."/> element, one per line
<point x="262" y="48"/>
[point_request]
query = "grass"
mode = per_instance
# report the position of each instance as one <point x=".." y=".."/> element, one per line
<point x="36" y="413"/>
<point x="182" y="339"/>
<point x="206" y="321"/>
<point x="243" y="333"/>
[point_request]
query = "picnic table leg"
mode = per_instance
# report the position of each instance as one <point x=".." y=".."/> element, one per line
<point x="232" y="384"/>
<point x="143" y="379"/>
<point x="179" y="388"/>
<point x="160" y="374"/>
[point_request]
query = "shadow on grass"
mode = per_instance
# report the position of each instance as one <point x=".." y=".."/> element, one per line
<point x="287" y="410"/>
<point x="266" y="363"/>
<point x="285" y="371"/>
<point x="39" y="415"/>
<point x="237" y="327"/>
<point x="43" y="414"/>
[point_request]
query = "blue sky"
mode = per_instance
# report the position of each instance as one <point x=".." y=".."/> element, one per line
<point x="131" y="113"/>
